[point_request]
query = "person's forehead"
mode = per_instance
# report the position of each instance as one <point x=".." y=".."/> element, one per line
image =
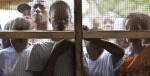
<point x="39" y="2"/>
<point x="61" y="9"/>
<point x="46" y="3"/>
<point x="131" y="21"/>
<point x="27" y="10"/>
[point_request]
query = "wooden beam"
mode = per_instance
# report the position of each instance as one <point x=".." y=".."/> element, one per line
<point x="71" y="34"/>
<point x="116" y="34"/>
<point x="37" y="34"/>
<point x="78" y="37"/>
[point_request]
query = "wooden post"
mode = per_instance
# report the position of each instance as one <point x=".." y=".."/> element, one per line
<point x="78" y="36"/>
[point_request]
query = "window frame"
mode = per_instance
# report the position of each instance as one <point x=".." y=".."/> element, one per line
<point x="78" y="34"/>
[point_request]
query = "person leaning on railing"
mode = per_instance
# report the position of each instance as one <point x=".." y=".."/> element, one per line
<point x="137" y="55"/>
<point x="13" y="59"/>
<point x="103" y="57"/>
<point x="56" y="56"/>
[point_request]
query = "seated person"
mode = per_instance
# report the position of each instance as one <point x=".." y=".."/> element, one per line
<point x="14" y="58"/>
<point x="137" y="56"/>
<point x="43" y="59"/>
<point x="103" y="57"/>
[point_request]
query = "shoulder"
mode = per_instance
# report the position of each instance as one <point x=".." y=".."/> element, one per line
<point x="6" y="27"/>
<point x="2" y="52"/>
<point x="43" y="44"/>
<point x="106" y="54"/>
<point x="5" y="51"/>
<point x="147" y="48"/>
<point x="42" y="47"/>
<point x="29" y="49"/>
<point x="105" y="57"/>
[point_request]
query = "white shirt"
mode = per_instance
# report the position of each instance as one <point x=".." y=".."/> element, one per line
<point x="13" y="63"/>
<point x="65" y="64"/>
<point x="103" y="65"/>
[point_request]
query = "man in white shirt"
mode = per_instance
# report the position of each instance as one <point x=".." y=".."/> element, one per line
<point x="14" y="58"/>
<point x="102" y="62"/>
<point x="40" y="14"/>
<point x="45" y="60"/>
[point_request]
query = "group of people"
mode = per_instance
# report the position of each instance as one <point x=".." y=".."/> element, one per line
<point x="51" y="57"/>
<point x="56" y="57"/>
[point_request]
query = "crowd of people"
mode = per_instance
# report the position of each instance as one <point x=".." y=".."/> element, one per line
<point x="56" y="57"/>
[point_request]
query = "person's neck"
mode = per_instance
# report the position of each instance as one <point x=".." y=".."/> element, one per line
<point x="41" y="25"/>
<point x="134" y="49"/>
<point x="20" y="50"/>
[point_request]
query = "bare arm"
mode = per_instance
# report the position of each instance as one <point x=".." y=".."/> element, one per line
<point x="116" y="51"/>
<point x="98" y="44"/>
<point x="36" y="73"/>
<point x="50" y="66"/>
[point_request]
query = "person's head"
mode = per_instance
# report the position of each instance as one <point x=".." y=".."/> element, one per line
<point x="96" y="21"/>
<point x="93" y="51"/>
<point x="60" y="15"/>
<point x="108" y="24"/>
<point x="24" y="8"/>
<point x="136" y="22"/>
<point x="19" y="24"/>
<point x="39" y="11"/>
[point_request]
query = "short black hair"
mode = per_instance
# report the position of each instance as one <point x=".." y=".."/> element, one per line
<point x="59" y="4"/>
<point x="142" y="18"/>
<point x="20" y="23"/>
<point x="23" y="6"/>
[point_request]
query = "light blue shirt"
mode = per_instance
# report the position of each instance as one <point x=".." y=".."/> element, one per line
<point x="13" y="63"/>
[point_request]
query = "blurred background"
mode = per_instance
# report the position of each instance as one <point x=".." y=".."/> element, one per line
<point x="101" y="13"/>
<point x="97" y="13"/>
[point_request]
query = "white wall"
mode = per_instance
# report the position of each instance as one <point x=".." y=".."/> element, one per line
<point x="7" y="15"/>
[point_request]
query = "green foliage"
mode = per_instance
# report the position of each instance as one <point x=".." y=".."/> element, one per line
<point x="123" y="7"/>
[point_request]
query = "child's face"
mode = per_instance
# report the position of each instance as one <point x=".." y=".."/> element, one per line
<point x="108" y="24"/>
<point x="60" y="18"/>
<point x="26" y="14"/>
<point x="39" y="13"/>
<point x="19" y="44"/>
<point x="133" y="25"/>
<point x="93" y="51"/>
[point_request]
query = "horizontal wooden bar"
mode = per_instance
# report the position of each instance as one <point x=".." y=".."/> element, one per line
<point x="37" y="34"/>
<point x="71" y="34"/>
<point x="116" y="34"/>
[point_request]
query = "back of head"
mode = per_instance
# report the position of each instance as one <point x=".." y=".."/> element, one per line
<point x="142" y="18"/>
<point x="59" y="4"/>
<point x="20" y="23"/>
<point x="23" y="6"/>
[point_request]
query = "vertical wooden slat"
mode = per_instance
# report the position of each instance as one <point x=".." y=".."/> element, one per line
<point x="78" y="36"/>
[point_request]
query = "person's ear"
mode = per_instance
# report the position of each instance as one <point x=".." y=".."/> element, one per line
<point x="49" y="19"/>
